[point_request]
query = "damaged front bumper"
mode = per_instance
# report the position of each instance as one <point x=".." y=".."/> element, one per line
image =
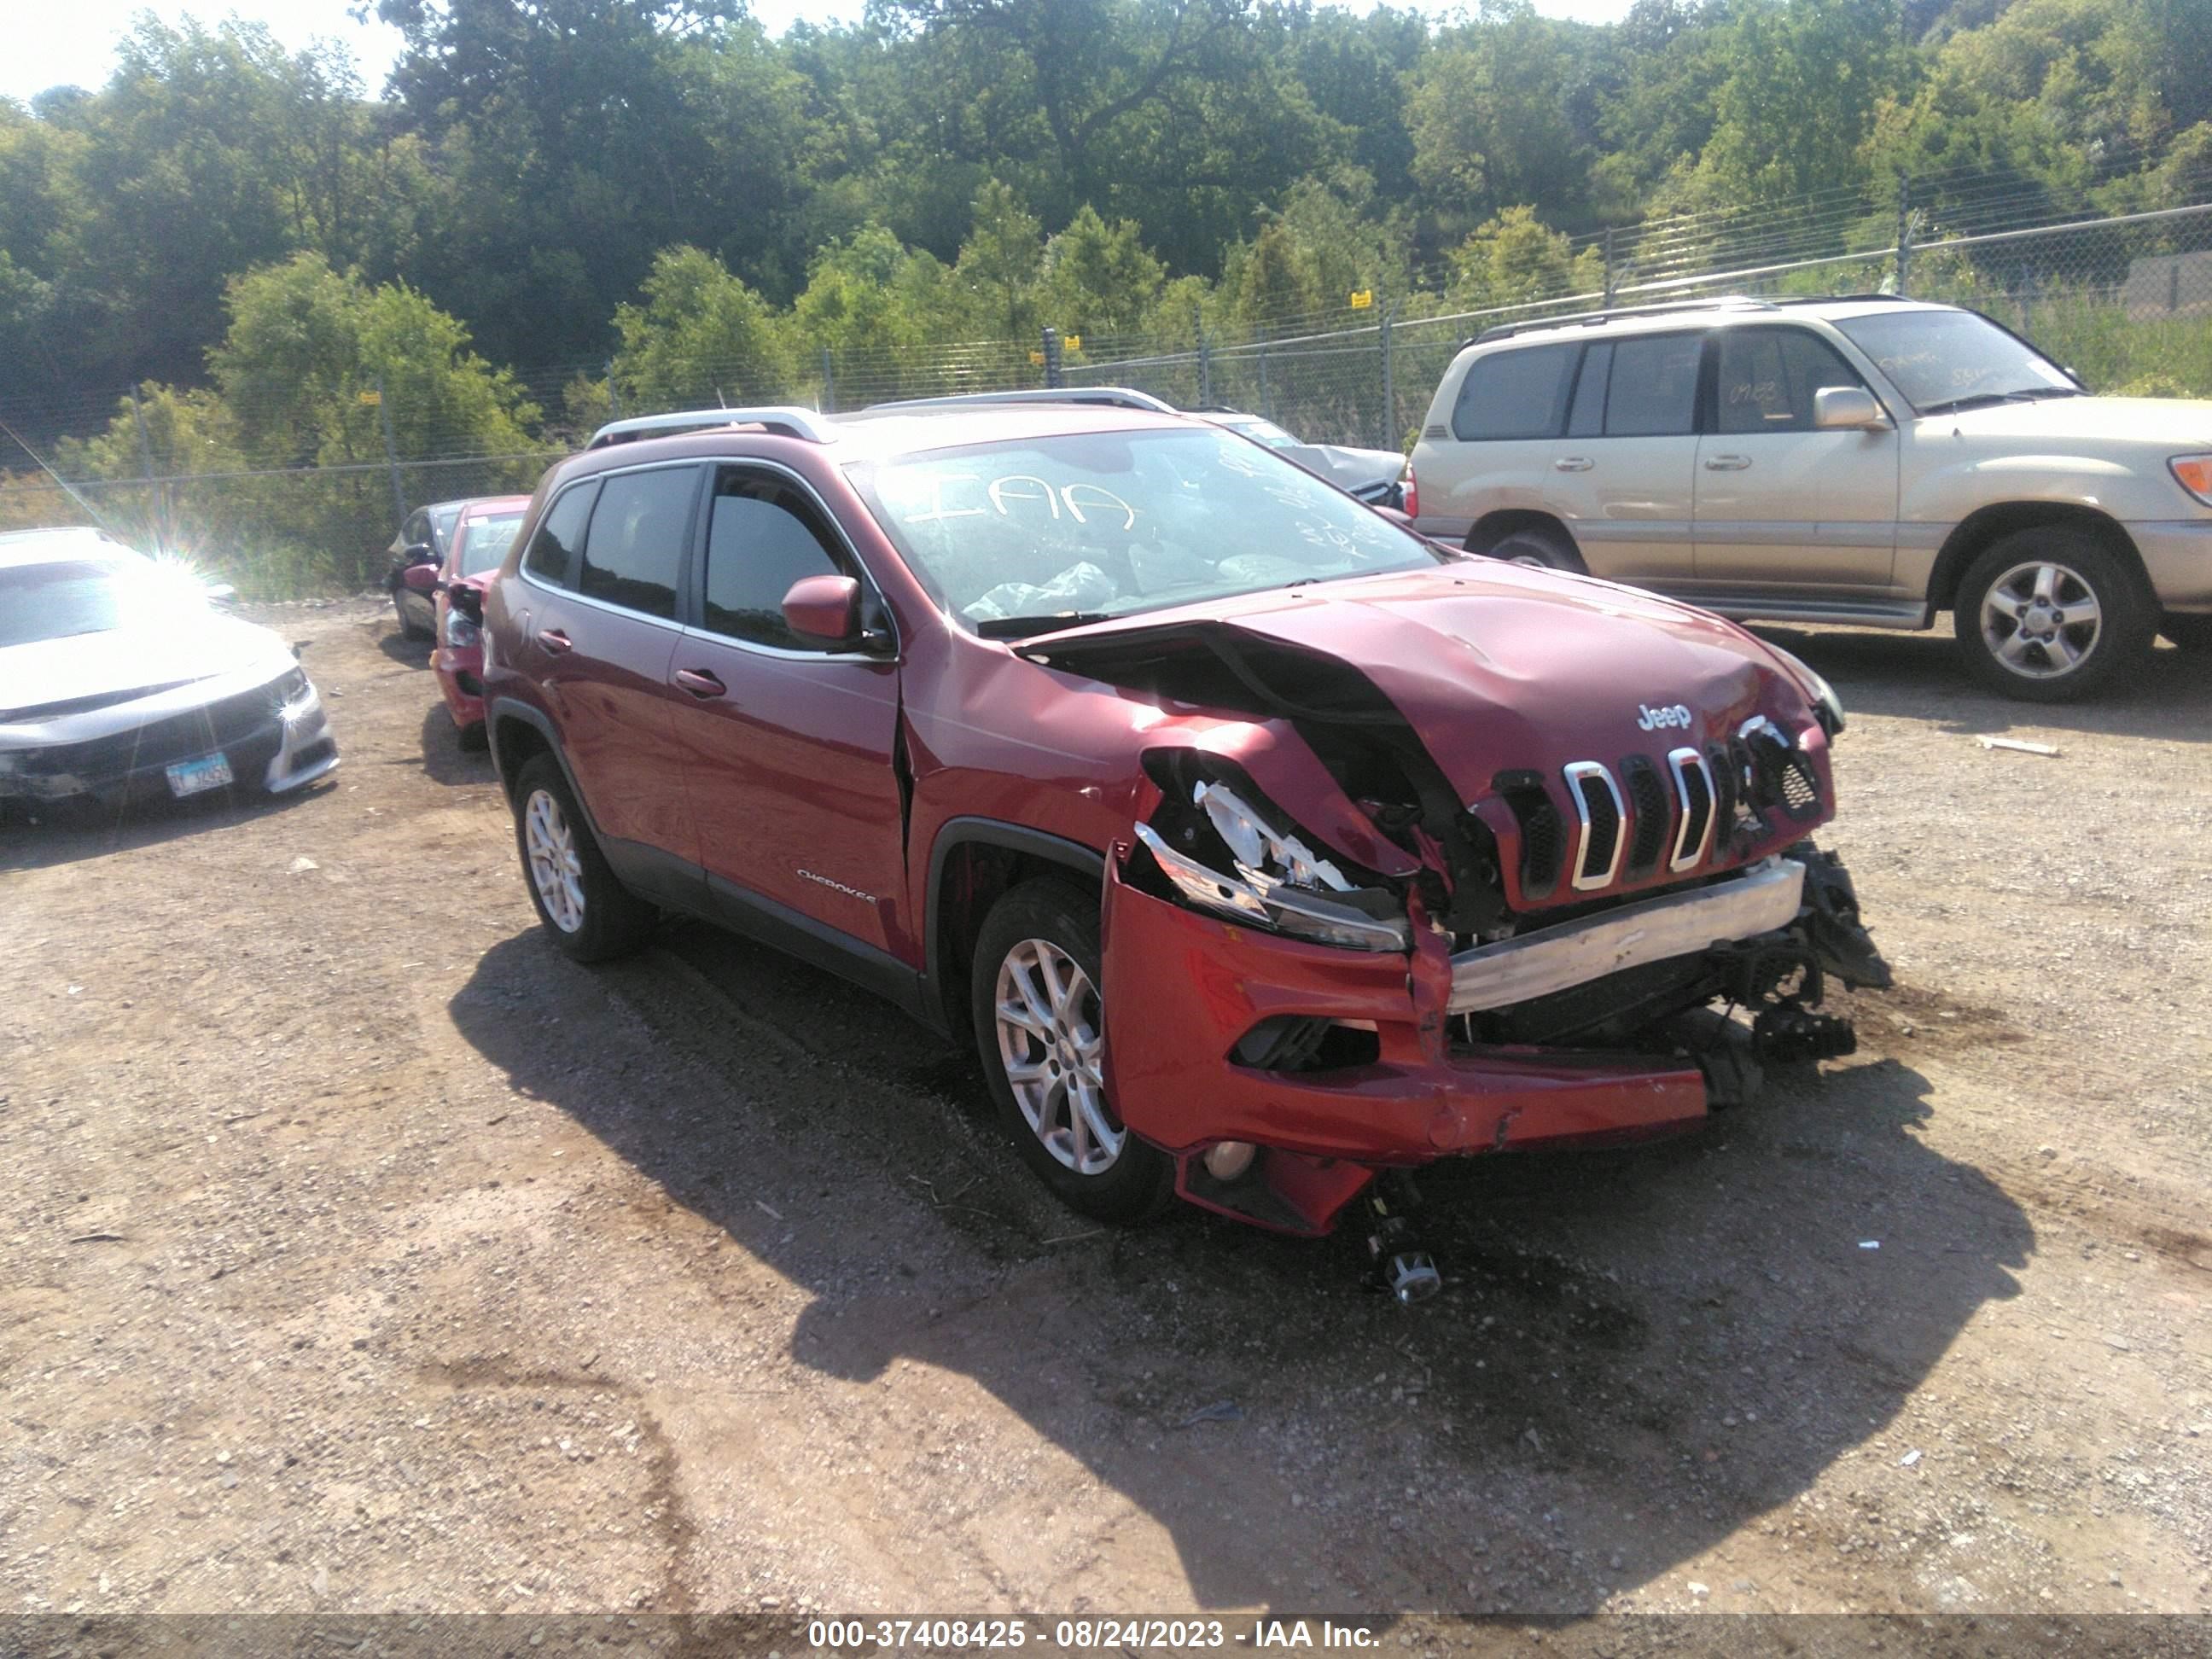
<point x="1187" y="1073"/>
<point x="1335" y="1063"/>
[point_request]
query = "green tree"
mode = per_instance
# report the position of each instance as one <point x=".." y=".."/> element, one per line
<point x="1488" y="114"/>
<point x="700" y="337"/>
<point x="1098" y="279"/>
<point x="1514" y="258"/>
<point x="1000" y="264"/>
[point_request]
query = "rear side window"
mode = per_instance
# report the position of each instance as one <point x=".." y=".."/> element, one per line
<point x="636" y="546"/>
<point x="1515" y="394"/>
<point x="553" y="549"/>
<point x="1768" y="377"/>
<point x="1653" y="391"/>
<point x="762" y="537"/>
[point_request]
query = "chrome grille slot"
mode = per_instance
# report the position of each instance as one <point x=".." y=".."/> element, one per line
<point x="1650" y="818"/>
<point x="1693" y="790"/>
<point x="1599" y="814"/>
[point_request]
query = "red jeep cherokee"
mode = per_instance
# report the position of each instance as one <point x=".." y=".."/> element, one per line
<point x="1261" y="845"/>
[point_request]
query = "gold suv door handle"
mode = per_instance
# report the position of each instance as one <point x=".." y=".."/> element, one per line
<point x="1574" y="463"/>
<point x="1726" y="463"/>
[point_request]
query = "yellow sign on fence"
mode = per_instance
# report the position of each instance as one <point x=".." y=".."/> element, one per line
<point x="1037" y="359"/>
<point x="372" y="397"/>
<point x="1362" y="298"/>
<point x="1072" y="342"/>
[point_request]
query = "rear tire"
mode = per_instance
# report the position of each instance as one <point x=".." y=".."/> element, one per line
<point x="409" y="628"/>
<point x="583" y="907"/>
<point x="2190" y="634"/>
<point x="2051" y="614"/>
<point x="1545" y="550"/>
<point x="1040" y="1026"/>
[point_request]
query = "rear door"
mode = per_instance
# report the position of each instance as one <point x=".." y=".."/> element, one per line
<point x="1781" y="506"/>
<point x="1620" y="479"/>
<point x="601" y="578"/>
<point x="788" y="743"/>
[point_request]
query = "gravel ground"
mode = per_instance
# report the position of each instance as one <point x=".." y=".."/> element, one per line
<point x="364" y="1254"/>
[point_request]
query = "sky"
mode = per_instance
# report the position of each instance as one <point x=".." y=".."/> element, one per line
<point x="72" y="42"/>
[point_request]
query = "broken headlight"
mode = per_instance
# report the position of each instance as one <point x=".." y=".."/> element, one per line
<point x="1828" y="707"/>
<point x="1237" y="862"/>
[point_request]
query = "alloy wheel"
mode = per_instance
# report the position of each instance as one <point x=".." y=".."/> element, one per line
<point x="2041" y="620"/>
<point x="556" y="869"/>
<point x="1052" y="1044"/>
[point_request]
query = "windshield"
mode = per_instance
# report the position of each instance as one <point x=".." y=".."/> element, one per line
<point x="484" y="542"/>
<point x="1943" y="360"/>
<point x="68" y="597"/>
<point x="441" y="522"/>
<point x="1019" y="538"/>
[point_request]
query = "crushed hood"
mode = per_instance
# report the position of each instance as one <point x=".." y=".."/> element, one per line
<point x="1494" y="667"/>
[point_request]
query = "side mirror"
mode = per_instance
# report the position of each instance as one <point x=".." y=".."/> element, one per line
<point x="824" y="608"/>
<point x="422" y="578"/>
<point x="220" y="593"/>
<point x="1847" y="409"/>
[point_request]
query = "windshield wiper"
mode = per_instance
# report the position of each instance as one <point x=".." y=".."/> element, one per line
<point x="1022" y="627"/>
<point x="1981" y="399"/>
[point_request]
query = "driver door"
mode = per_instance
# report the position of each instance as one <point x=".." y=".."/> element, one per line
<point x="788" y="745"/>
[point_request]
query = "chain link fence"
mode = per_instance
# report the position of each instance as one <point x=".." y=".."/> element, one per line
<point x="2125" y="300"/>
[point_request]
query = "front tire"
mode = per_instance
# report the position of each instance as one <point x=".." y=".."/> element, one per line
<point x="2051" y="614"/>
<point x="584" y="908"/>
<point x="1040" y="1026"/>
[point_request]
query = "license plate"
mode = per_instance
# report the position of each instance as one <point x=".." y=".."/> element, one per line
<point x="190" y="777"/>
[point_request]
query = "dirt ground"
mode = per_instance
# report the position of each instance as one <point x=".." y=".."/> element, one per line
<point x="364" y="1254"/>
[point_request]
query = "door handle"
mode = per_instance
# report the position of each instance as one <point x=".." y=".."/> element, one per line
<point x="553" y="640"/>
<point x="1726" y="463"/>
<point x="700" y="683"/>
<point x="1574" y="463"/>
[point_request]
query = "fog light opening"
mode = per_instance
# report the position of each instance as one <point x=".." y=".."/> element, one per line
<point x="1227" y="1160"/>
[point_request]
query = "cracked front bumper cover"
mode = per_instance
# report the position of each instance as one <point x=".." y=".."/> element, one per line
<point x="1183" y="988"/>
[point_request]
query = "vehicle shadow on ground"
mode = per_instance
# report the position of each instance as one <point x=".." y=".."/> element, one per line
<point x="1638" y="1352"/>
<point x="402" y="647"/>
<point x="2167" y="695"/>
<point x="75" y="833"/>
<point x="444" y="760"/>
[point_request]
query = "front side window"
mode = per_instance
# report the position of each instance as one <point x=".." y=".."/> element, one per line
<point x="440" y="523"/>
<point x="1020" y="536"/>
<point x="1517" y="394"/>
<point x="1653" y="390"/>
<point x="763" y="535"/>
<point x="1943" y="361"/>
<point x="553" y="549"/>
<point x="1768" y="376"/>
<point x="636" y="545"/>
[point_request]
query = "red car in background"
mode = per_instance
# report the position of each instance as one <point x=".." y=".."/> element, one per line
<point x="474" y="550"/>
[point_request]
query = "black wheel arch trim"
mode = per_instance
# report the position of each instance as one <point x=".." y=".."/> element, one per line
<point x="513" y="709"/>
<point x="1974" y="534"/>
<point x="968" y="832"/>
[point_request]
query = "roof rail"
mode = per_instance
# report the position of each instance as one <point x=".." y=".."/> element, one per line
<point x="1843" y="298"/>
<point x="1597" y="319"/>
<point x="1113" y="396"/>
<point x="787" y="419"/>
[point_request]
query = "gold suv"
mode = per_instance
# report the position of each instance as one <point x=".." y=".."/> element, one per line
<point x="1869" y="461"/>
